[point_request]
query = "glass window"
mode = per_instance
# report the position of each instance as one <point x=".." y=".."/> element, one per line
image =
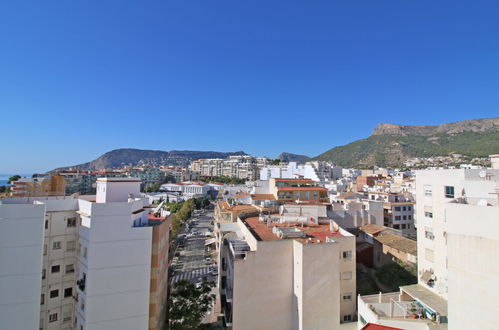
<point x="56" y="245"/>
<point x="55" y="269"/>
<point x="54" y="293"/>
<point x="397" y="208"/>
<point x="347" y="255"/>
<point x="68" y="292"/>
<point x="53" y="317"/>
<point x="428" y="214"/>
<point x="427" y="191"/>
<point x="347" y="296"/>
<point x="42" y="299"/>
<point x="449" y="192"/>
<point x="71" y="222"/>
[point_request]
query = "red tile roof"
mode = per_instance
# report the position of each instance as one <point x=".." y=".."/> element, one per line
<point x="302" y="188"/>
<point x="294" y="180"/>
<point x="263" y="196"/>
<point x="264" y="233"/>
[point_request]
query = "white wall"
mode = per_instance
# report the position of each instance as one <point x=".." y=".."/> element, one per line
<point x="21" y="246"/>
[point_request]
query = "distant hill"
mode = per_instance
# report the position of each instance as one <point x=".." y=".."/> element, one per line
<point x="135" y="157"/>
<point x="391" y="144"/>
<point x="288" y="157"/>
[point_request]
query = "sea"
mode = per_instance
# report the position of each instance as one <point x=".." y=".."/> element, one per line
<point x="4" y="178"/>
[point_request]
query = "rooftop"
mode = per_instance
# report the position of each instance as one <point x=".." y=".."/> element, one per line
<point x="301" y="188"/>
<point x="398" y="242"/>
<point x="317" y="233"/>
<point x="262" y="196"/>
<point x="373" y="229"/>
<point x="295" y="180"/>
<point x="241" y="207"/>
<point x="427" y="298"/>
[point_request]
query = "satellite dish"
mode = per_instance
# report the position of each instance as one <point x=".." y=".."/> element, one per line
<point x="482" y="174"/>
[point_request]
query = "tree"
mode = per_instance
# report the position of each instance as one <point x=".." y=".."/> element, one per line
<point x="14" y="178"/>
<point x="276" y="161"/>
<point x="188" y="305"/>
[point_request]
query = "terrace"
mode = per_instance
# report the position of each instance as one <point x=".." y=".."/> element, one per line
<point x="417" y="306"/>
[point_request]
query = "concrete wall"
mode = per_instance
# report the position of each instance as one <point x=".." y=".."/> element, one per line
<point x="473" y="245"/>
<point x="263" y="285"/>
<point x="117" y="269"/>
<point x="21" y="246"/>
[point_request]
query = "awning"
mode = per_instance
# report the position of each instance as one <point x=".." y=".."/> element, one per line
<point x="210" y="241"/>
<point x="426" y="276"/>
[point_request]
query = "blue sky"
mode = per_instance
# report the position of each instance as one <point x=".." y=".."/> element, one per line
<point x="79" y="78"/>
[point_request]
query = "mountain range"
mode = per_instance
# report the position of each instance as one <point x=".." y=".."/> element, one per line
<point x="136" y="157"/>
<point x="389" y="145"/>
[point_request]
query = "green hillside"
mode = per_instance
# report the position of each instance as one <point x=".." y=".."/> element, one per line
<point x="393" y="150"/>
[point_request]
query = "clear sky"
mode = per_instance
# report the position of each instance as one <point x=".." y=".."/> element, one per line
<point x="80" y="78"/>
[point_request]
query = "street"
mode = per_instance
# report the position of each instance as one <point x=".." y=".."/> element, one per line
<point x="191" y="260"/>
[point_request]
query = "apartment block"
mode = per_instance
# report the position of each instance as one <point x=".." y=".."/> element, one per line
<point x="102" y="264"/>
<point x="457" y="212"/>
<point x="290" y="190"/>
<point x="49" y="185"/>
<point x="286" y="273"/>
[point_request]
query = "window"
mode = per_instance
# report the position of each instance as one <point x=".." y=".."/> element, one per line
<point x="409" y="208"/>
<point x="397" y="217"/>
<point x="396" y="226"/>
<point x="53" y="317"/>
<point x="55" y="269"/>
<point x="56" y="245"/>
<point x="404" y="208"/>
<point x="403" y="226"/>
<point x="428" y="214"/>
<point x="42" y="299"/>
<point x="347" y="275"/>
<point x="404" y="217"/>
<point x="429" y="235"/>
<point x="85" y="252"/>
<point x="44" y="249"/>
<point x="44" y="273"/>
<point x="397" y="208"/>
<point x="427" y="190"/>
<point x="347" y="296"/>
<point x="347" y="318"/>
<point x="54" y="293"/>
<point x="347" y="255"/>
<point x="68" y="292"/>
<point x="71" y="222"/>
<point x="449" y="192"/>
<point x="70" y="245"/>
<point x="46" y="224"/>
<point x="409" y="217"/>
<point x="70" y="269"/>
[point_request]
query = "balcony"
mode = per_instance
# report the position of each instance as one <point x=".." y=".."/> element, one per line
<point x="417" y="306"/>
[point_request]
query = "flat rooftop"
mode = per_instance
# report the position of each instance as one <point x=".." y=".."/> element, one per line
<point x="426" y="297"/>
<point x="316" y="233"/>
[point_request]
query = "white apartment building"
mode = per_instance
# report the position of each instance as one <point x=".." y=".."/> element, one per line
<point x="21" y="246"/>
<point x="458" y="244"/>
<point x="317" y="171"/>
<point x="278" y="274"/>
<point x="94" y="268"/>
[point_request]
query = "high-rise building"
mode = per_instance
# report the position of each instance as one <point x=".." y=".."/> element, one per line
<point x="102" y="261"/>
